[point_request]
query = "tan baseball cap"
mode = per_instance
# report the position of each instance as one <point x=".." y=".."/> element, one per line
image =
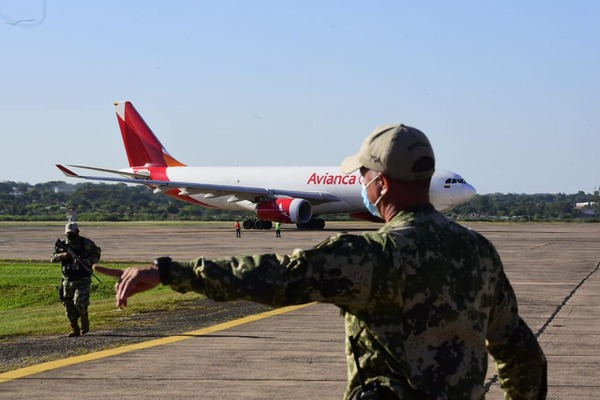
<point x="397" y="151"/>
<point x="71" y="227"/>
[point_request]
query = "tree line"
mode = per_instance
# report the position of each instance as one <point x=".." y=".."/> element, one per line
<point x="53" y="201"/>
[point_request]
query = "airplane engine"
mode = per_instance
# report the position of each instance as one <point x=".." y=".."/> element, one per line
<point x="287" y="209"/>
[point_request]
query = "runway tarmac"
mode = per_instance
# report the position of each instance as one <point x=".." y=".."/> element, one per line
<point x="299" y="353"/>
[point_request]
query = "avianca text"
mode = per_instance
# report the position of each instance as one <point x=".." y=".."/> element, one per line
<point x="327" y="179"/>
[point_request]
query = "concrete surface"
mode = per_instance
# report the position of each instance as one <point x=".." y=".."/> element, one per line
<point x="299" y="354"/>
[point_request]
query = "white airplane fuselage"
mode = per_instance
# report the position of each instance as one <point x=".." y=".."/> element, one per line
<point x="444" y="196"/>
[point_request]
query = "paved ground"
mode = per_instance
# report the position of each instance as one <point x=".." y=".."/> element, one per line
<point x="299" y="354"/>
<point x="144" y="241"/>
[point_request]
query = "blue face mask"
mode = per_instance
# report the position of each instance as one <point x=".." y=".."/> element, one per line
<point x="372" y="208"/>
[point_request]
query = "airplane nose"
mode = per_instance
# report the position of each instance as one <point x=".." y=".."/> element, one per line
<point x="470" y="191"/>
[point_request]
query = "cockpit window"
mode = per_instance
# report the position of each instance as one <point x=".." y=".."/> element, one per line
<point x="454" y="180"/>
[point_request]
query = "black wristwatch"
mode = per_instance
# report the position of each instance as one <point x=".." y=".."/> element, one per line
<point x="163" y="264"/>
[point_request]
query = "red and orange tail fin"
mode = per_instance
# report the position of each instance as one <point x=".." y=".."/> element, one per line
<point x="141" y="145"/>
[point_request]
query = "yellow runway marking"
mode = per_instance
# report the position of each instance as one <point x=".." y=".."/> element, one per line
<point x="47" y="366"/>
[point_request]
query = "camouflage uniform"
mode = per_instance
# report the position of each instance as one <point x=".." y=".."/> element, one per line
<point x="426" y="298"/>
<point x="76" y="280"/>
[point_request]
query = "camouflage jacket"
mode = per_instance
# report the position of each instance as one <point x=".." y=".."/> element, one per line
<point x="426" y="298"/>
<point x="88" y="252"/>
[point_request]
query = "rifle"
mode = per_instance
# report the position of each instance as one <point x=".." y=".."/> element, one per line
<point x="63" y="246"/>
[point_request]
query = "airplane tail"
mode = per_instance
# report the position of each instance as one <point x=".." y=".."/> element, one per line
<point x="141" y="145"/>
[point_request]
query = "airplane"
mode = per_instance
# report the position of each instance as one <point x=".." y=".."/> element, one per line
<point x="296" y="195"/>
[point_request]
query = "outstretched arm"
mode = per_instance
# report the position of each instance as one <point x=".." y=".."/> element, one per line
<point x="131" y="280"/>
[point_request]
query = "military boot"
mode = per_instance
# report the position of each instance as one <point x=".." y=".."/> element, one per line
<point x="74" y="329"/>
<point x="85" y="324"/>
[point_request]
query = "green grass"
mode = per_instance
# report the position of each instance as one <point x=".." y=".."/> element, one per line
<point x="29" y="303"/>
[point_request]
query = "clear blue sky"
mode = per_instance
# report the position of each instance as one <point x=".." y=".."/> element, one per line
<point x="507" y="91"/>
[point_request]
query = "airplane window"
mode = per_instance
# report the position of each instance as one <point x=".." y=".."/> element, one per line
<point x="454" y="180"/>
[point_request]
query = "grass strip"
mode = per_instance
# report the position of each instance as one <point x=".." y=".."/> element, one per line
<point x="29" y="303"/>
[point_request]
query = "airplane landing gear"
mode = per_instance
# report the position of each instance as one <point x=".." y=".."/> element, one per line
<point x="255" y="223"/>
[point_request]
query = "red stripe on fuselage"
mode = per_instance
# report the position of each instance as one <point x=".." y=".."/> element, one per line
<point x="174" y="193"/>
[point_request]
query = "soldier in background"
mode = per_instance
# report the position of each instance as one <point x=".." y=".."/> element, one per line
<point x="424" y="298"/>
<point x="76" y="276"/>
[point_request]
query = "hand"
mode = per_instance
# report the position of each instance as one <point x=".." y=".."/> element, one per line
<point x="131" y="280"/>
<point x="65" y="257"/>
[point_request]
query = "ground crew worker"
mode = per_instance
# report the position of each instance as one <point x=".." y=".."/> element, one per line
<point x="238" y="230"/>
<point x="76" y="276"/>
<point x="424" y="298"/>
<point x="278" y="229"/>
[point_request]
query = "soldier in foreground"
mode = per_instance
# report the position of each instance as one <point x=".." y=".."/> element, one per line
<point x="76" y="255"/>
<point x="424" y="299"/>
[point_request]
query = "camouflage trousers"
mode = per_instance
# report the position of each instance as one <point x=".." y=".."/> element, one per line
<point x="76" y="293"/>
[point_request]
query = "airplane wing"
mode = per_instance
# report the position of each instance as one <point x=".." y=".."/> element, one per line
<point x="236" y="193"/>
<point x="71" y="174"/>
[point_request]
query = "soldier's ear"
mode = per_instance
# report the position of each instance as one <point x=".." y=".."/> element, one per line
<point x="385" y="184"/>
